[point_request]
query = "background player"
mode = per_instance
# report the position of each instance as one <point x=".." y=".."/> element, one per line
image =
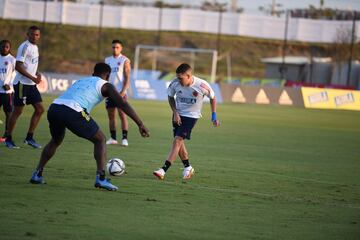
<point x="26" y="92"/>
<point x="71" y="110"/>
<point x="7" y="73"/>
<point x="120" y="78"/>
<point x="190" y="92"/>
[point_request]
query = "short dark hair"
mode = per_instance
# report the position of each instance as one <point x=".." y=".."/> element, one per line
<point x="5" y="41"/>
<point x="33" y="28"/>
<point x="117" y="41"/>
<point x="183" y="68"/>
<point x="101" y="68"/>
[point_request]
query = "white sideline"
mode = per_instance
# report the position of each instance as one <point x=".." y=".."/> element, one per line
<point x="253" y="194"/>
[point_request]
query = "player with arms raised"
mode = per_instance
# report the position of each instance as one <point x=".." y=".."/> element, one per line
<point x="189" y="91"/>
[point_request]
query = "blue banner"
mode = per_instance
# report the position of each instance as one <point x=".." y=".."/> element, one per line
<point x="154" y="89"/>
<point x="145" y="86"/>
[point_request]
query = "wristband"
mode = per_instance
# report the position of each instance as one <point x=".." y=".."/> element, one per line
<point x="213" y="116"/>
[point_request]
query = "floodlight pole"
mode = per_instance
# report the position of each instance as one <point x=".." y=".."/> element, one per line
<point x="218" y="40"/>
<point x="44" y="15"/>
<point x="311" y="64"/>
<point x="43" y="28"/>
<point x="159" y="25"/>
<point x="351" y="48"/>
<point x="100" y="29"/>
<point x="282" y="68"/>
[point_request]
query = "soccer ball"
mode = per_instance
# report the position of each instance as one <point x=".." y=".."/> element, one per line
<point x="115" y="166"/>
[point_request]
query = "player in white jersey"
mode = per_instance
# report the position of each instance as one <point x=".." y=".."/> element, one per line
<point x="120" y="78"/>
<point x="7" y="73"/>
<point x="189" y="92"/>
<point x="26" y="92"/>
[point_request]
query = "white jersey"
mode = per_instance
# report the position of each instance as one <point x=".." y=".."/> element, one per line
<point x="117" y="65"/>
<point x="7" y="72"/>
<point x="189" y="100"/>
<point x="27" y="53"/>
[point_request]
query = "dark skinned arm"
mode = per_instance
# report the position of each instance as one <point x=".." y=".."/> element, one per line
<point x="108" y="90"/>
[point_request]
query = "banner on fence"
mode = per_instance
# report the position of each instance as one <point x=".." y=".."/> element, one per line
<point x="261" y="95"/>
<point x="331" y="98"/>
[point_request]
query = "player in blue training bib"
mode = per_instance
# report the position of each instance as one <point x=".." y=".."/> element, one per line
<point x="71" y="111"/>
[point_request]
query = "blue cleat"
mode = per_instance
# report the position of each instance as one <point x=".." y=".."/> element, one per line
<point x="104" y="184"/>
<point x="32" y="142"/>
<point x="10" y="144"/>
<point x="36" y="179"/>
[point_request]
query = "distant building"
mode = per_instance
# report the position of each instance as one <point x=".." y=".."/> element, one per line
<point x="325" y="13"/>
<point x="294" y="68"/>
<point x="318" y="71"/>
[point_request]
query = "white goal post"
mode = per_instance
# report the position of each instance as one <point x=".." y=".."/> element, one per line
<point x="159" y="54"/>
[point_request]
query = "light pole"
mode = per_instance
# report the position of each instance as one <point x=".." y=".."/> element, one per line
<point x="100" y="29"/>
<point x="221" y="9"/>
<point x="43" y="28"/>
<point x="283" y="68"/>
<point x="351" y="48"/>
<point x="158" y="40"/>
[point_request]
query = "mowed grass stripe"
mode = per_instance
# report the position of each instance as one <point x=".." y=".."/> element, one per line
<point x="268" y="172"/>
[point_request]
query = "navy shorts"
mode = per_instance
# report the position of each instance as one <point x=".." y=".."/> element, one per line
<point x="61" y="117"/>
<point x="111" y="104"/>
<point x="26" y="94"/>
<point x="184" y="130"/>
<point x="6" y="101"/>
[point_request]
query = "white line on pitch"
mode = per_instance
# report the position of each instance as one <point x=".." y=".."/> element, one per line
<point x="254" y="194"/>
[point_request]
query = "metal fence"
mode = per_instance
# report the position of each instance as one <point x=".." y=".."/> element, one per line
<point x="151" y="18"/>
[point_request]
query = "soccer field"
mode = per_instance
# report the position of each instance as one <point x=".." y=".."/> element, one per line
<point x="268" y="172"/>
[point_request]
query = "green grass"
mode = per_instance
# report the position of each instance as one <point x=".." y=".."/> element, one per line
<point x="267" y="173"/>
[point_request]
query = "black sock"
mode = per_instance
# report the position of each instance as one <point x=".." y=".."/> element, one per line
<point x="8" y="137"/>
<point x="102" y="174"/>
<point x="186" y="163"/>
<point x="40" y="171"/>
<point x="166" y="166"/>
<point x="29" y="136"/>
<point x="124" y="134"/>
<point x="113" y="134"/>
